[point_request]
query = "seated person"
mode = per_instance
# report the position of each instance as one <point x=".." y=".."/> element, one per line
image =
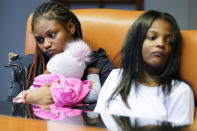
<point x="64" y="72"/>
<point x="149" y="84"/>
<point x="53" y="26"/>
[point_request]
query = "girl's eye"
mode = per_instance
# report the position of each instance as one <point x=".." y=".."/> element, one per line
<point x="39" y="39"/>
<point x="150" y="38"/>
<point x="52" y="35"/>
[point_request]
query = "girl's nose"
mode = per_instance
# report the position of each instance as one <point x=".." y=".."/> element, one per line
<point x="47" y="44"/>
<point x="161" y="43"/>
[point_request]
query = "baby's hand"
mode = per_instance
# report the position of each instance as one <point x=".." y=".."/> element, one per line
<point x="93" y="70"/>
<point x="21" y="97"/>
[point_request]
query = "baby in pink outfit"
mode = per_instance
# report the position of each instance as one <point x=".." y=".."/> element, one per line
<point x="67" y="89"/>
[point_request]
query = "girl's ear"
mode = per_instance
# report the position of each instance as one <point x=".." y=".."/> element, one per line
<point x="71" y="27"/>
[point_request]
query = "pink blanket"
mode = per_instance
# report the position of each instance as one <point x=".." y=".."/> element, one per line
<point x="66" y="92"/>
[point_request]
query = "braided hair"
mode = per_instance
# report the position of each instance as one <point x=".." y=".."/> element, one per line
<point x="50" y="11"/>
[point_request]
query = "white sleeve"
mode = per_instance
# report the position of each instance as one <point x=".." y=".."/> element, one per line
<point x="106" y="91"/>
<point x="180" y="105"/>
<point x="96" y="87"/>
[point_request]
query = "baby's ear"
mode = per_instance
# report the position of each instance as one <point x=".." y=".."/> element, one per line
<point x="71" y="27"/>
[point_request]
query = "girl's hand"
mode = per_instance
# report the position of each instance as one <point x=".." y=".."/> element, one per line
<point x="40" y="96"/>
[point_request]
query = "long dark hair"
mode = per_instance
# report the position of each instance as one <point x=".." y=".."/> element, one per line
<point x="51" y="11"/>
<point x="132" y="61"/>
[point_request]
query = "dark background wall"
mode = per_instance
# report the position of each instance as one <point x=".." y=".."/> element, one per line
<point x="13" y="17"/>
<point x="14" y="14"/>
